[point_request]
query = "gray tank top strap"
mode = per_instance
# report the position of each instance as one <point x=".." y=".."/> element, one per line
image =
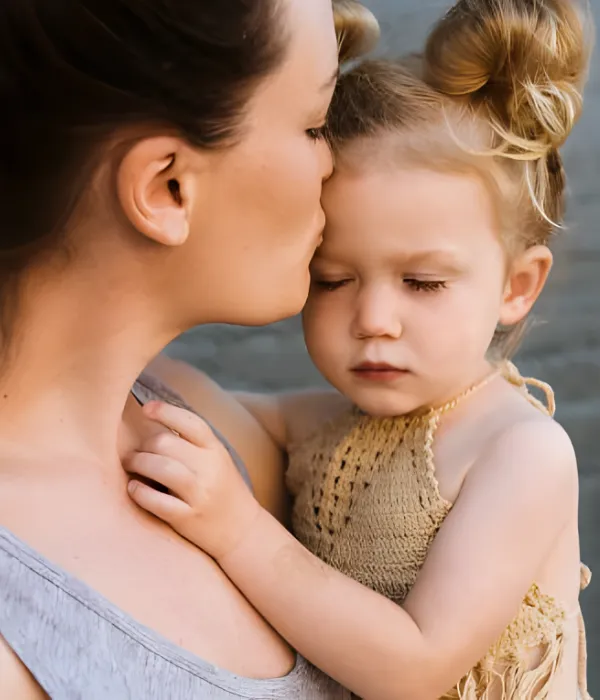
<point x="149" y="388"/>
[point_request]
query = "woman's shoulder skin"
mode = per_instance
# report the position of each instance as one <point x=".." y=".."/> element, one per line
<point x="263" y="458"/>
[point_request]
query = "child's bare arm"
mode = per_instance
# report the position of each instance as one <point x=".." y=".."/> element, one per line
<point x="515" y="502"/>
<point x="292" y="416"/>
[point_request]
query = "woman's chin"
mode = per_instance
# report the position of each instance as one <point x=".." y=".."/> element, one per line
<point x="293" y="303"/>
<point x="273" y="310"/>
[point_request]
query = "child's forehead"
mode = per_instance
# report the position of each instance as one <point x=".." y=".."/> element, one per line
<point x="414" y="217"/>
<point x="403" y="186"/>
<point x="448" y="258"/>
<point x="421" y="206"/>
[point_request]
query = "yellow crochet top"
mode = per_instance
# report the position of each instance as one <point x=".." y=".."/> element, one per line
<point x="367" y="502"/>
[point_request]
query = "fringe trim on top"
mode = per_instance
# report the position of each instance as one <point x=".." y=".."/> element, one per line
<point x="517" y="682"/>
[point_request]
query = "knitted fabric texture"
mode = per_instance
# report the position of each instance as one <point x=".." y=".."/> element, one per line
<point x="367" y="502"/>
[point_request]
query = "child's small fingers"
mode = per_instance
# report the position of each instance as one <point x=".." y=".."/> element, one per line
<point x="185" y="423"/>
<point x="167" y="444"/>
<point x="162" y="505"/>
<point x="168" y="472"/>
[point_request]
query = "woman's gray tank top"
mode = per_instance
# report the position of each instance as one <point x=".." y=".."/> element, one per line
<point x="78" y="646"/>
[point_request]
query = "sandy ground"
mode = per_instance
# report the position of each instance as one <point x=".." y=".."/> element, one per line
<point x="563" y="348"/>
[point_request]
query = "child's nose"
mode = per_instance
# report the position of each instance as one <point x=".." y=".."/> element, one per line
<point x="377" y="315"/>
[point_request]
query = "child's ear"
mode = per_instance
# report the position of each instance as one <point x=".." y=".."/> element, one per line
<point x="526" y="279"/>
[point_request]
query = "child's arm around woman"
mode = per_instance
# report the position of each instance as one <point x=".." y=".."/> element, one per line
<point x="517" y="501"/>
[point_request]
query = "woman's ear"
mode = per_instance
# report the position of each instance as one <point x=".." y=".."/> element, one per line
<point x="156" y="187"/>
<point x="526" y="280"/>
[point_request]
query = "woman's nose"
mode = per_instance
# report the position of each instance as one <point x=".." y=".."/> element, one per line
<point x="377" y="315"/>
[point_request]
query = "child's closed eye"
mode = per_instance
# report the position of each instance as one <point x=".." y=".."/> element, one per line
<point x="425" y="285"/>
<point x="330" y="285"/>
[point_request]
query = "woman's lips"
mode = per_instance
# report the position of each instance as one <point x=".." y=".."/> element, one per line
<point x="378" y="372"/>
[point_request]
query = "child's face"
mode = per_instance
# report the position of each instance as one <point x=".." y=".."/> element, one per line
<point x="411" y="276"/>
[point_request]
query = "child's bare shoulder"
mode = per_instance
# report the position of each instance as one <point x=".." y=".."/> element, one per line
<point x="501" y="435"/>
<point x="530" y="452"/>
<point x="530" y="431"/>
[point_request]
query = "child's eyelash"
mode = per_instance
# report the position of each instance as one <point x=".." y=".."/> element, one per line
<point x="330" y="285"/>
<point x="415" y="284"/>
<point x="425" y="285"/>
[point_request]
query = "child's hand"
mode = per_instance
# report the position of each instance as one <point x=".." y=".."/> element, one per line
<point x="208" y="501"/>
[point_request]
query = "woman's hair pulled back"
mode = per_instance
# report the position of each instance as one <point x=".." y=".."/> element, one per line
<point x="74" y="72"/>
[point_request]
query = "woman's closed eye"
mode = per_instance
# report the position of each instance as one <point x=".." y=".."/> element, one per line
<point x="418" y="285"/>
<point x="316" y="133"/>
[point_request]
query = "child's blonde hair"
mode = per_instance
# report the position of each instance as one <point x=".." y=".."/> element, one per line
<point x="356" y="28"/>
<point x="496" y="91"/>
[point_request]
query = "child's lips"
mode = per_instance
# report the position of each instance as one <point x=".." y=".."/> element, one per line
<point x="378" y="371"/>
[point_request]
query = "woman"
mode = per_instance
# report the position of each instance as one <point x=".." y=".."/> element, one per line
<point x="161" y="167"/>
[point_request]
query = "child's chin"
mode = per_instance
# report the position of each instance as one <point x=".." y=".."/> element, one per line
<point x="386" y="406"/>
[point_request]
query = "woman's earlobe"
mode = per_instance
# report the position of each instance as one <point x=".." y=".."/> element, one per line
<point x="173" y="229"/>
<point x="171" y="217"/>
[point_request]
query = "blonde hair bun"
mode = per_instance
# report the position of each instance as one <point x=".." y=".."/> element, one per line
<point x="522" y="61"/>
<point x="356" y="27"/>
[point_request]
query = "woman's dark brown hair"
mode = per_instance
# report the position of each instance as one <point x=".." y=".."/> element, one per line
<point x="75" y="72"/>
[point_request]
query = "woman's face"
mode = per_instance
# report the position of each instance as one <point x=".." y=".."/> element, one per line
<point x="258" y="219"/>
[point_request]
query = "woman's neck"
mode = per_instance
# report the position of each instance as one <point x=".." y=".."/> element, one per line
<point x="76" y="353"/>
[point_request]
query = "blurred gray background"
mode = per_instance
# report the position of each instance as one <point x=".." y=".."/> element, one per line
<point x="562" y="348"/>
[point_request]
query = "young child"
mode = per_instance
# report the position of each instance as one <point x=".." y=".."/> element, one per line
<point x="435" y="499"/>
